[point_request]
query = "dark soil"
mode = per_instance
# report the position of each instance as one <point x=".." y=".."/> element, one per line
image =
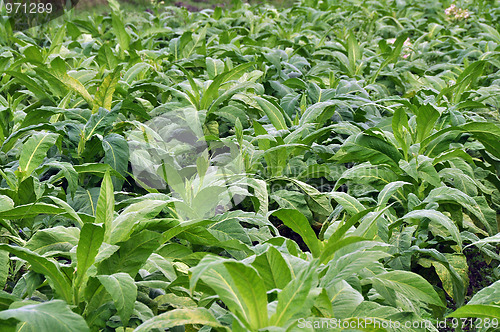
<point x="480" y="276"/>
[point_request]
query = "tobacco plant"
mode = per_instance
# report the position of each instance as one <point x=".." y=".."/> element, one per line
<point x="249" y="168"/>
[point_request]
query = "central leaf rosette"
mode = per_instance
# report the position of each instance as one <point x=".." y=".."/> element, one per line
<point x="180" y="151"/>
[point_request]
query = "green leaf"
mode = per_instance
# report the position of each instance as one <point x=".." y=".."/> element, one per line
<point x="59" y="72"/>
<point x="426" y="118"/>
<point x="273" y="268"/>
<point x="491" y="239"/>
<point x="6" y="203"/>
<point x="401" y="129"/>
<point x="486" y="132"/>
<point x="477" y="310"/>
<point x="389" y="190"/>
<point x="345" y="266"/>
<point x="120" y="32"/>
<point x="4" y="269"/>
<point x="487" y="295"/>
<point x="68" y="209"/>
<point x="121" y="227"/>
<point x="123" y="291"/>
<point x="453" y="283"/>
<point x="213" y="90"/>
<point x="288" y="199"/>
<point x="344" y="298"/>
<point x="351" y="204"/>
<point x="179" y="317"/>
<point x="254" y="298"/>
<point x="294" y="299"/>
<point x="98" y="122"/>
<point x="105" y="210"/>
<point x="353" y="51"/>
<point x="104" y="95"/>
<point x="476" y="206"/>
<point x="45" y="266"/>
<point x="55" y="239"/>
<point x="132" y="254"/>
<point x="116" y="153"/>
<point x="30" y="211"/>
<point x="274" y="114"/>
<point x="409" y="284"/>
<point x="318" y="201"/>
<point x="438" y="218"/>
<point x="34" y="151"/>
<point x="300" y="225"/>
<point x="214" y="67"/>
<point x="362" y="147"/>
<point x="91" y="238"/>
<point x="52" y="316"/>
<point x="214" y="273"/>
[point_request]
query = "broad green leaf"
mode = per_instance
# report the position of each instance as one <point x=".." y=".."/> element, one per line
<point x="215" y="274"/>
<point x="487" y="295"/>
<point x="55" y="239"/>
<point x="6" y="203"/>
<point x="68" y="209"/>
<point x="6" y="299"/>
<point x="347" y="265"/>
<point x="300" y="225"/>
<point x="344" y="299"/>
<point x="426" y="118"/>
<point x="477" y="310"/>
<point x="294" y="299"/>
<point x="116" y="154"/>
<point x="4" y="269"/>
<point x="274" y="114"/>
<point x="104" y="95"/>
<point x="105" y="209"/>
<point x="98" y="122"/>
<point x="288" y="199"/>
<point x="212" y="92"/>
<point x="438" y="218"/>
<point x="409" y="284"/>
<point x="254" y="298"/>
<point x="491" y="239"/>
<point x="122" y="226"/>
<point x="353" y="51"/>
<point x="123" y="291"/>
<point x="121" y="33"/>
<point x="389" y="190"/>
<point x="486" y="132"/>
<point x="45" y="266"/>
<point x="181" y="317"/>
<point x="456" y="266"/>
<point x="132" y="254"/>
<point x="446" y="277"/>
<point x="476" y="206"/>
<point x="318" y="201"/>
<point x="52" y="316"/>
<point x="401" y="129"/>
<point x="214" y="67"/>
<point x="30" y="211"/>
<point x="34" y="152"/>
<point x="362" y="147"/>
<point x="273" y="269"/>
<point x="59" y="73"/>
<point x="351" y="204"/>
<point x="91" y="237"/>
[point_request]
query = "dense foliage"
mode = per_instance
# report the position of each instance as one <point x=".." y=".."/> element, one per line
<point x="345" y="166"/>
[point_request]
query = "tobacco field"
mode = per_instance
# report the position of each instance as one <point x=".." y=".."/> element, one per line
<point x="325" y="166"/>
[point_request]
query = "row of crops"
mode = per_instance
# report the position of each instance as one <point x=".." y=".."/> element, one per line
<point x="327" y="166"/>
